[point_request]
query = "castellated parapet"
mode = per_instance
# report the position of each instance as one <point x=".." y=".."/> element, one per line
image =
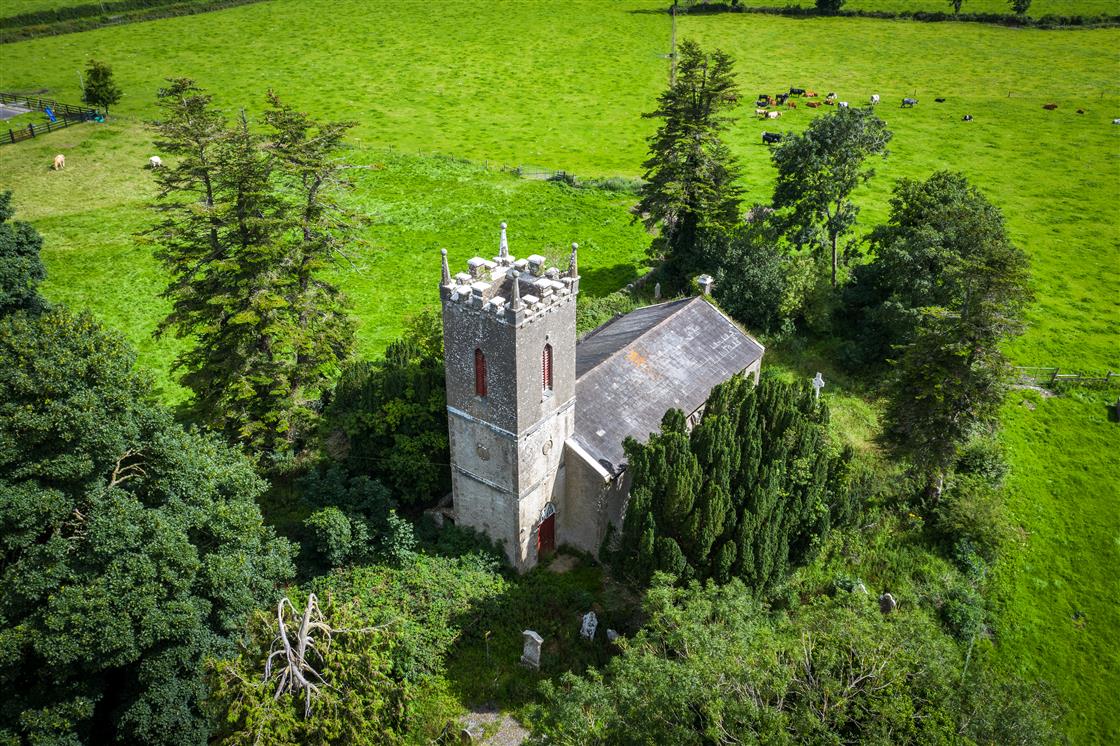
<point x="509" y="348"/>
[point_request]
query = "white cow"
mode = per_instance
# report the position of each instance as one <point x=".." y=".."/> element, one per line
<point x="155" y="162"/>
<point x="773" y="114"/>
<point x="874" y="98"/>
<point x="59" y="162"/>
<point x="842" y="104"/>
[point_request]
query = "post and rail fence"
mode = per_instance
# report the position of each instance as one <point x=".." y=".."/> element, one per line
<point x="1050" y="377"/>
<point x="65" y="116"/>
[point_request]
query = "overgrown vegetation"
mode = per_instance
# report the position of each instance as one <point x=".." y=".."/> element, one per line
<point x="750" y="492"/>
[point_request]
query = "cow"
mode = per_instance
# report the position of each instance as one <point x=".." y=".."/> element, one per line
<point x="761" y="113"/>
<point x="796" y="91"/>
<point x="830" y="102"/>
<point x="874" y="99"/>
<point x="842" y="104"/>
<point x="781" y="98"/>
<point x="966" y="118"/>
<point x="769" y="138"/>
<point x="909" y="102"/>
<point x="1049" y="107"/>
<point x="1080" y="111"/>
<point x="813" y="104"/>
<point x="939" y="100"/>
<point x="791" y="104"/>
<point x="773" y="114"/>
<point x="155" y="162"/>
<point x="59" y="162"/>
<point x="1116" y="121"/>
<point x="811" y="94"/>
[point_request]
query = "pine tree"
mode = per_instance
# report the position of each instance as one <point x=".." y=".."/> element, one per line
<point x="690" y="174"/>
<point x="247" y="229"/>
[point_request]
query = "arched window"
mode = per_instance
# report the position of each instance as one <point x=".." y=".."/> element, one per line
<point x="479" y="372"/>
<point x="546" y="368"/>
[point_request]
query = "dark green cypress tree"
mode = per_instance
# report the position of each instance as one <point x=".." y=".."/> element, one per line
<point x="749" y="494"/>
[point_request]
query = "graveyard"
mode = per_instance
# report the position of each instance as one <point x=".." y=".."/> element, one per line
<point x="465" y="116"/>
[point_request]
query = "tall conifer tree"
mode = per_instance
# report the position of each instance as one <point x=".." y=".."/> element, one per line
<point x="690" y="174"/>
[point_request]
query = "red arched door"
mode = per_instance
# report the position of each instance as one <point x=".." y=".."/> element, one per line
<point x="546" y="535"/>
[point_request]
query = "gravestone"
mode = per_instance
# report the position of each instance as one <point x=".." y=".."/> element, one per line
<point x="590" y="624"/>
<point x="612" y="635"/>
<point x="887" y="604"/>
<point x="818" y="384"/>
<point x="531" y="654"/>
<point x="657" y="291"/>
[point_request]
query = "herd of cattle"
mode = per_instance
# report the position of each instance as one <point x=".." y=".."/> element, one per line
<point x="768" y="107"/>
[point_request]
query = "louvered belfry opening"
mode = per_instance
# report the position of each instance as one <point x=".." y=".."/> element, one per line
<point x="479" y="372"/>
<point x="546" y="367"/>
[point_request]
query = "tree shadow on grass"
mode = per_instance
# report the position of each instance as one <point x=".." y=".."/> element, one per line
<point x="484" y="667"/>
<point x="601" y="281"/>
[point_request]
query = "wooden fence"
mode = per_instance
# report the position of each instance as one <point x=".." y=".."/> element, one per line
<point x="1051" y="377"/>
<point x="65" y="115"/>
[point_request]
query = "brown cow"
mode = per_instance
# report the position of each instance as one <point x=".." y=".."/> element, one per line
<point x="811" y="94"/>
<point x="813" y="104"/>
<point x="59" y="162"/>
<point x="791" y="105"/>
<point x="1049" y="107"/>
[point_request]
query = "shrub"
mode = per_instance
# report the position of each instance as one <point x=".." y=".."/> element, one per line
<point x="331" y="535"/>
<point x="974" y="510"/>
<point x="984" y="457"/>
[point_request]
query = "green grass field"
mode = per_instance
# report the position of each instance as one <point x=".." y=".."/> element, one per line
<point x="563" y="86"/>
<point x="1038" y="9"/>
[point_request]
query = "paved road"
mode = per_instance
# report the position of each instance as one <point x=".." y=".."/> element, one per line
<point x="7" y="111"/>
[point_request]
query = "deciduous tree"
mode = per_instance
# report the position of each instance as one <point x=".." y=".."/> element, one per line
<point x="817" y="172"/>
<point x="690" y="174"/>
<point x="21" y="269"/>
<point x="131" y="549"/>
<point x="940" y="233"/>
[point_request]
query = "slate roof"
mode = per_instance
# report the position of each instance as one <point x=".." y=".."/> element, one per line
<point x="633" y="369"/>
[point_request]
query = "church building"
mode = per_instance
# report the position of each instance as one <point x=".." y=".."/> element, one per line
<point x="537" y="418"/>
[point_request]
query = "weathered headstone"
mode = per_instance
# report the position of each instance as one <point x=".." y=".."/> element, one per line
<point x="818" y="384"/>
<point x="531" y="653"/>
<point x="657" y="291"/>
<point x="887" y="604"/>
<point x="590" y="624"/>
<point x="611" y="635"/>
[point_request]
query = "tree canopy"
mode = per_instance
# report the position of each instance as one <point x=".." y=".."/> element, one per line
<point x="748" y="493"/>
<point x="716" y="668"/>
<point x="946" y="289"/>
<point x="939" y="234"/>
<point x="388" y="419"/>
<point x="99" y="87"/>
<point x="248" y="228"/>
<point x="21" y="269"/>
<point x="690" y="174"/>
<point x="817" y="172"/>
<point x="131" y="549"/>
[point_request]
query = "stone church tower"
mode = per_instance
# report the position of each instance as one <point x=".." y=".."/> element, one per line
<point x="509" y="333"/>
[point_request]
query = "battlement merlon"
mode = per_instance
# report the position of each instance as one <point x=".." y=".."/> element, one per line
<point x="509" y="290"/>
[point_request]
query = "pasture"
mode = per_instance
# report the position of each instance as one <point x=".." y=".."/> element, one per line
<point x="1038" y="8"/>
<point x="563" y="86"/>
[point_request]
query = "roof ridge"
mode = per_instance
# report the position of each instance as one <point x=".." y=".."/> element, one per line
<point x="603" y="326"/>
<point x="684" y="302"/>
